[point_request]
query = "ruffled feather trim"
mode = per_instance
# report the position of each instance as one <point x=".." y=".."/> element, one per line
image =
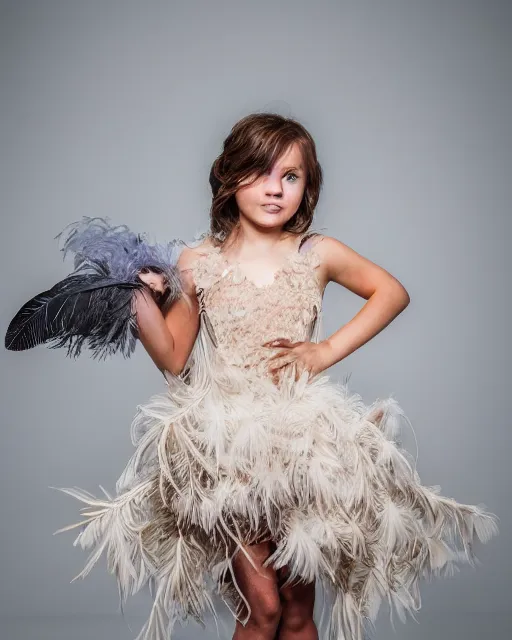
<point x="219" y="463"/>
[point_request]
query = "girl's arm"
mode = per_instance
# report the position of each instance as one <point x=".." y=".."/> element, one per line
<point x="386" y="297"/>
<point x="169" y="338"/>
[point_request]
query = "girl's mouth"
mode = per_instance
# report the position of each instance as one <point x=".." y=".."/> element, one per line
<point x="272" y="208"/>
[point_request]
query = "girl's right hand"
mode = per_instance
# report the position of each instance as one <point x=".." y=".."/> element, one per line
<point x="155" y="281"/>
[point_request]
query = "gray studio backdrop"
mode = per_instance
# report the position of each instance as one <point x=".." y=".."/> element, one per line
<point x="118" y="109"/>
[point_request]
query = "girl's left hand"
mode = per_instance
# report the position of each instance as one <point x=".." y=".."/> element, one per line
<point x="312" y="357"/>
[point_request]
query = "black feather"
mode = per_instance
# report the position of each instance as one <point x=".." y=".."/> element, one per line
<point x="81" y="309"/>
<point x="93" y="306"/>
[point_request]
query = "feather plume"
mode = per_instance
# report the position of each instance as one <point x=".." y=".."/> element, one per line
<point x="93" y="306"/>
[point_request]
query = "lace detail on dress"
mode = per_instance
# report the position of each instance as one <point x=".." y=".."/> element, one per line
<point x="243" y="315"/>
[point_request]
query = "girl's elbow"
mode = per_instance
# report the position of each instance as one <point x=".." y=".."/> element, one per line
<point x="176" y="365"/>
<point x="399" y="295"/>
<point x="176" y="370"/>
<point x="403" y="297"/>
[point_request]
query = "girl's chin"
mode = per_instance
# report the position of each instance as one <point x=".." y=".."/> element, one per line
<point x="272" y="222"/>
<point x="271" y="219"/>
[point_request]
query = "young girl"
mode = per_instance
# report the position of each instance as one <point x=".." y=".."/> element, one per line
<point x="255" y="476"/>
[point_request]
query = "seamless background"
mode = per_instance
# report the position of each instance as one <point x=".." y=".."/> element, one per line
<point x="118" y="108"/>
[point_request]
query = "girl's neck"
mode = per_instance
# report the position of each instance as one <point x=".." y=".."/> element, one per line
<point x="244" y="234"/>
<point x="245" y="241"/>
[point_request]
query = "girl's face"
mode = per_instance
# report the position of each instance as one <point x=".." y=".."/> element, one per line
<point x="274" y="197"/>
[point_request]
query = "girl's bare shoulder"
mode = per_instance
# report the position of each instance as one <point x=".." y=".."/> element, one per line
<point x="191" y="253"/>
<point x="188" y="258"/>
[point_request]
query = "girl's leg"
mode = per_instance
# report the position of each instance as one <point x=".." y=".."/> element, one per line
<point x="297" y="612"/>
<point x="262" y="593"/>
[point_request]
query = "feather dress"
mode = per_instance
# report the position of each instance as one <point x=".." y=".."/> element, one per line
<point x="226" y="457"/>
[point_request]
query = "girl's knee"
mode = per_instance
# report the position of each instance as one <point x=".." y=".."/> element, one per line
<point x="269" y="608"/>
<point x="260" y="589"/>
<point x="295" y="618"/>
<point x="267" y="612"/>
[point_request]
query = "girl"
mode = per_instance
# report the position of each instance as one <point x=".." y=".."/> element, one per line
<point x="255" y="476"/>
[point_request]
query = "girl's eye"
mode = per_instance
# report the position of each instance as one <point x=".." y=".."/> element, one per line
<point x="294" y="175"/>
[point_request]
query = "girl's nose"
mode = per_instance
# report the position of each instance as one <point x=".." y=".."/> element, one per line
<point x="273" y="186"/>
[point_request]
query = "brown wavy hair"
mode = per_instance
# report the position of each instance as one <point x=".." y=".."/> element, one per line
<point x="251" y="148"/>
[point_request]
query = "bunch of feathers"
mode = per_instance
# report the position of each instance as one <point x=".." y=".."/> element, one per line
<point x="94" y="304"/>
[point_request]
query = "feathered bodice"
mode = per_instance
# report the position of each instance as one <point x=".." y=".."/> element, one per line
<point x="243" y="315"/>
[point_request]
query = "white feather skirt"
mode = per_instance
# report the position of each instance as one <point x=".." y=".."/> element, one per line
<point x="220" y="463"/>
